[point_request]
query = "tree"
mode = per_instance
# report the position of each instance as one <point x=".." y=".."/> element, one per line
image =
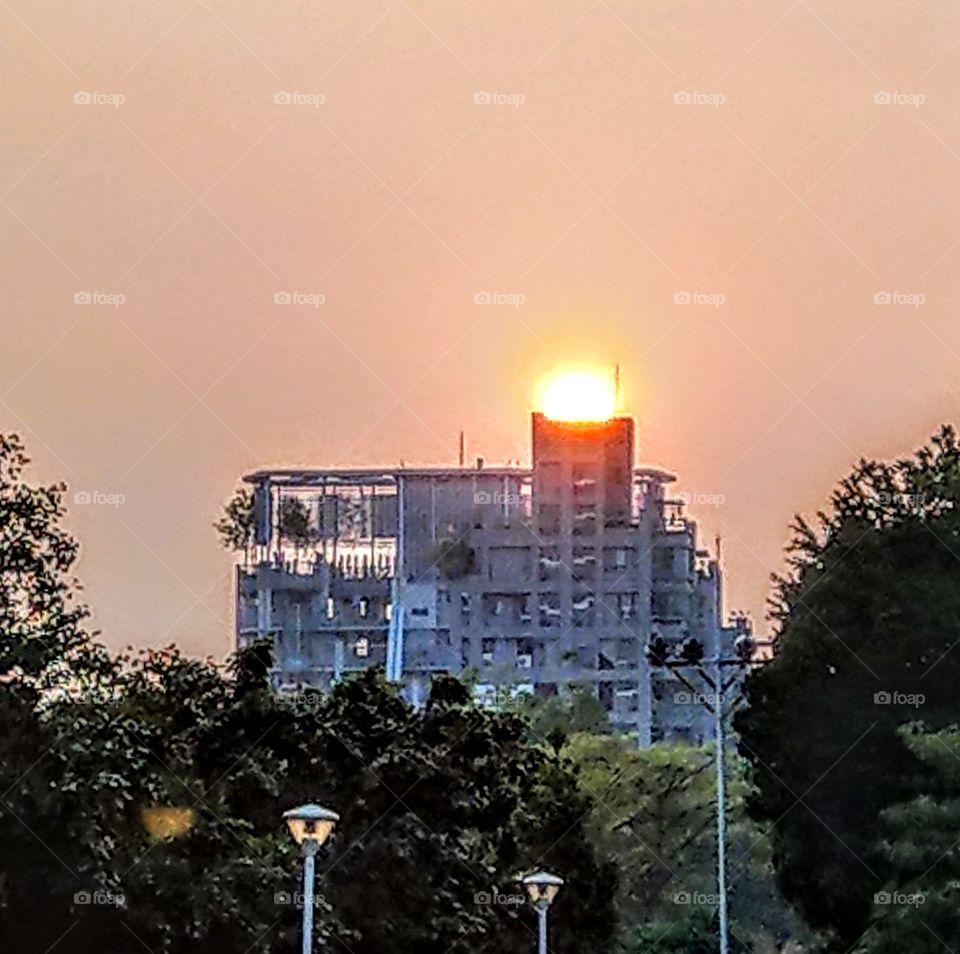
<point x="866" y="618"/>
<point x="295" y="522"/>
<point x="916" y="909"/>
<point x="555" y="718"/>
<point x="654" y="817"/>
<point x="41" y="622"/>
<point x="441" y="809"/>
<point x="237" y="526"/>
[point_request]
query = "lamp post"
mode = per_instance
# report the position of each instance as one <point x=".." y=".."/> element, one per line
<point x="542" y="888"/>
<point x="310" y="826"/>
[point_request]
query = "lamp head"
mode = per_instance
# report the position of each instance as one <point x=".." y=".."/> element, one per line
<point x="542" y="887"/>
<point x="310" y="825"/>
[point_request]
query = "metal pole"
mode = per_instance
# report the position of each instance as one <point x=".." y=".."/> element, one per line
<point x="721" y="813"/>
<point x="542" y="916"/>
<point x="308" y="868"/>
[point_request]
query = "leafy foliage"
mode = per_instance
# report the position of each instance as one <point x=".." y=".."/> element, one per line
<point x="40" y="622"/>
<point x="236" y="527"/>
<point x="916" y="909"/>
<point x="555" y="718"/>
<point x="654" y="817"/>
<point x="295" y="522"/>
<point x="440" y="809"/>
<point x="867" y="618"/>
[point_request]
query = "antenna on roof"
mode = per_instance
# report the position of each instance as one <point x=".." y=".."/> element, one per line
<point x="616" y="388"/>
<point x="463" y="449"/>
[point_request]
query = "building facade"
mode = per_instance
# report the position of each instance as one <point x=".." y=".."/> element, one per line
<point x="531" y="580"/>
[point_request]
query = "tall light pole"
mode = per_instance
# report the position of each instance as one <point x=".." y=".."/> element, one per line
<point x="690" y="656"/>
<point x="542" y="888"/>
<point x="310" y="826"/>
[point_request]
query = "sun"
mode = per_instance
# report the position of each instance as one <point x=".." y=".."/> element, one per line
<point x="579" y="396"/>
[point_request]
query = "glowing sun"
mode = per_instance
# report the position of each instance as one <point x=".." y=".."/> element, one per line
<point x="579" y="396"/>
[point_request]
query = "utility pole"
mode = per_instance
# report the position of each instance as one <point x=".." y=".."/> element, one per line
<point x="662" y="654"/>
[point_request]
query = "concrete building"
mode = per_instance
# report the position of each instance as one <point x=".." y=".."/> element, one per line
<point x="532" y="579"/>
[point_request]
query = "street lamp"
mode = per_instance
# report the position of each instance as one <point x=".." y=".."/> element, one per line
<point x="310" y="826"/>
<point x="542" y="888"/>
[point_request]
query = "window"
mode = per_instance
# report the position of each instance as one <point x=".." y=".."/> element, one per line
<point x="583" y="609"/>
<point x="584" y="563"/>
<point x="361" y="647"/>
<point x="486" y="650"/>
<point x="549" y="609"/>
<point x="627" y="605"/>
<point x="331" y="608"/>
<point x="364" y="607"/>
<point x="549" y="518"/>
<point x="550" y="564"/>
<point x="584" y="519"/>
<point x="387" y="610"/>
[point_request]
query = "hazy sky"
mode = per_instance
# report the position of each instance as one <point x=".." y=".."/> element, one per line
<point x="776" y="163"/>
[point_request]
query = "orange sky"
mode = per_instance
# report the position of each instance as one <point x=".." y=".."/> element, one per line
<point x="711" y="194"/>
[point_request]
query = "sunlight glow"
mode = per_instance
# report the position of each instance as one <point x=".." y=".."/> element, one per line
<point x="579" y="396"/>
